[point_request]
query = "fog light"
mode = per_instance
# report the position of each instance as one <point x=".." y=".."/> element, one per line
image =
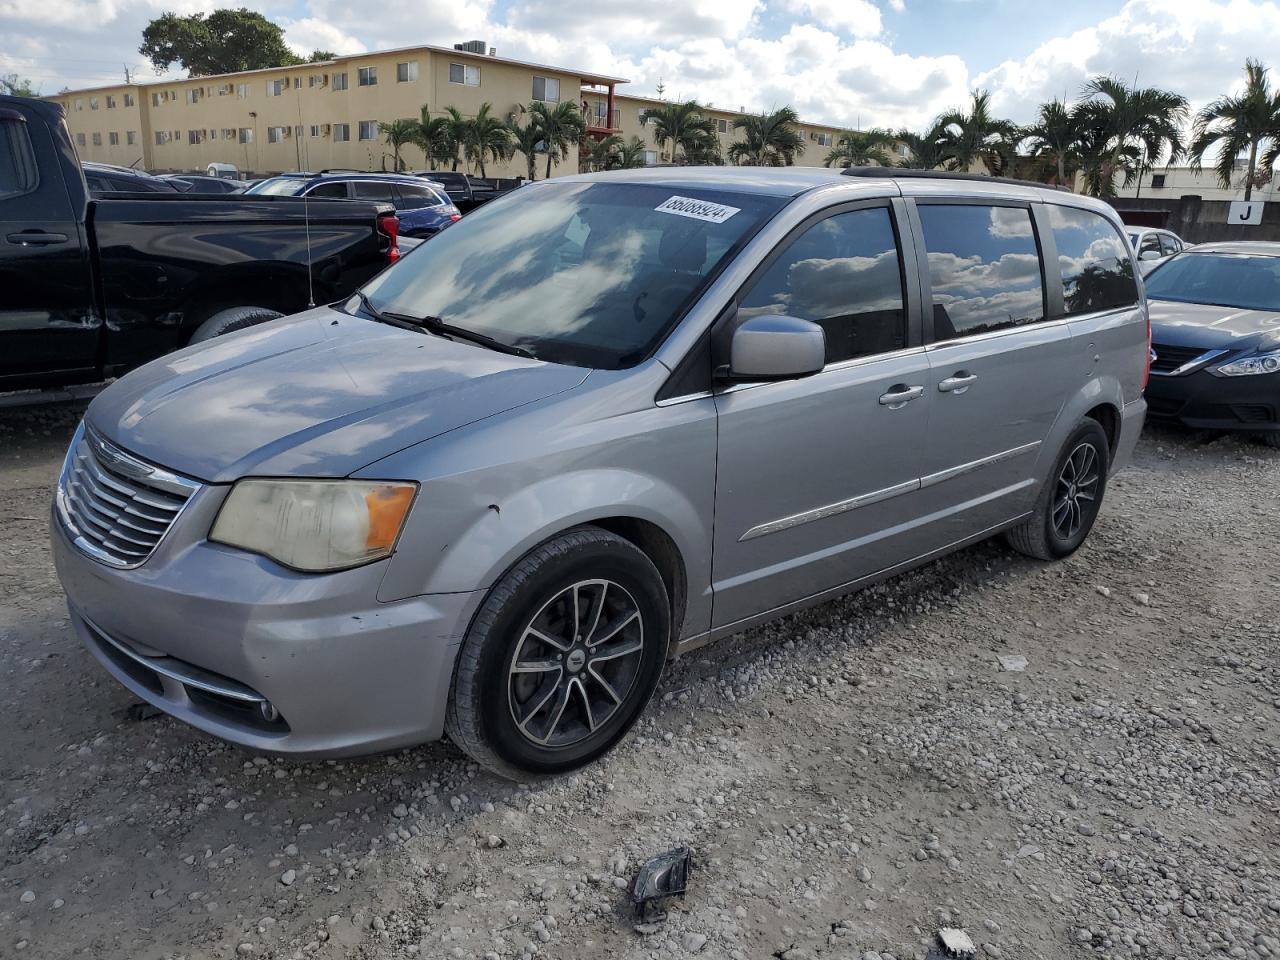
<point x="268" y="711"/>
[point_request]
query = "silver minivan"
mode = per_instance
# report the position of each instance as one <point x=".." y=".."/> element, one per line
<point x="596" y="424"/>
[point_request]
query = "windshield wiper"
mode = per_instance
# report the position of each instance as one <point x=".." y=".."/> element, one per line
<point x="440" y="328"/>
<point x="444" y="329"/>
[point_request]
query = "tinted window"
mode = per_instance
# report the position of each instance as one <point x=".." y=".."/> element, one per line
<point x="843" y="273"/>
<point x="1150" y="244"/>
<point x="331" y="190"/>
<point x="413" y="196"/>
<point x="17" y="160"/>
<point x="1169" y="245"/>
<point x="1228" y="280"/>
<point x="1097" y="273"/>
<point x="590" y="273"/>
<point x="372" y="190"/>
<point x="279" y="187"/>
<point x="984" y="268"/>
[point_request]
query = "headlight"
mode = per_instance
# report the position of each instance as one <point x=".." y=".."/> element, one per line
<point x="315" y="525"/>
<point x="1249" y="366"/>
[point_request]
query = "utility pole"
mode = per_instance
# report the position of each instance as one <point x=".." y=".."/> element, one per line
<point x="127" y="79"/>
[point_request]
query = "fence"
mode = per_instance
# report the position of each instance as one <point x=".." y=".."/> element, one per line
<point x="1196" y="220"/>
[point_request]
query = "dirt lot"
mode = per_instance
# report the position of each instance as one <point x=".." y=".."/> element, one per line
<point x="849" y="778"/>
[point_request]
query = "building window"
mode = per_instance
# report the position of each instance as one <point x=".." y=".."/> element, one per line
<point x="128" y="100"/>
<point x="155" y="101"/>
<point x="407" y="72"/>
<point x="339" y="81"/>
<point x="111" y="102"/>
<point x="93" y="103"/>
<point x="341" y="132"/>
<point x="722" y="126"/>
<point x="318" y="129"/>
<point x="650" y="157"/>
<point x="368" y="76"/>
<point x="276" y="134"/>
<point x="97" y="139"/>
<point x="368" y="129"/>
<point x="195" y="136"/>
<point x="79" y="139"/>
<point x="1157" y="181"/>
<point x="242" y="90"/>
<point x="318" y="80"/>
<point x="546" y="89"/>
<point x="228" y="133"/>
<point x="113" y="139"/>
<point x="79" y="104"/>
<point x="162" y="137"/>
<point x="131" y="137"/>
<point x="276" y="87"/>
<point x="824" y="139"/>
<point x="195" y="94"/>
<point x="464" y="74"/>
<point x="297" y="83"/>
<point x="246" y="135"/>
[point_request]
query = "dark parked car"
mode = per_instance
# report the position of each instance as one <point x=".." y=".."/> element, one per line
<point x="422" y="205"/>
<point x="103" y="178"/>
<point x="468" y="192"/>
<point x="1215" y="331"/>
<point x="94" y="286"/>
<point x="199" y="183"/>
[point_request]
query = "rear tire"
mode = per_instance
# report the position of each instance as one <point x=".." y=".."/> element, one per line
<point x="562" y="657"/>
<point x="230" y="320"/>
<point x="1270" y="439"/>
<point x="1068" y="504"/>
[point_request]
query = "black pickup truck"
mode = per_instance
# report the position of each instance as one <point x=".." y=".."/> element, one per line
<point x="92" y="287"/>
<point x="468" y="192"/>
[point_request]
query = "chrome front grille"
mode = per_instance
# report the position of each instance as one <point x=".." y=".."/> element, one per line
<point x="116" y="507"/>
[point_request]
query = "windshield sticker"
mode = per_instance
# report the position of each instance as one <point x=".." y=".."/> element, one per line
<point x="697" y="209"/>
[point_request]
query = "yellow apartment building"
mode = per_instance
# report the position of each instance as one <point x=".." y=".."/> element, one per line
<point x="325" y="115"/>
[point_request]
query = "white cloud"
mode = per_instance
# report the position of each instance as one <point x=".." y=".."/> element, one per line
<point x="310" y="34"/>
<point x="1193" y="47"/>
<point x="858" y="18"/>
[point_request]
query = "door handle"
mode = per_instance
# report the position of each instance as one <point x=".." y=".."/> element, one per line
<point x="36" y="238"/>
<point x="957" y="384"/>
<point x="899" y="395"/>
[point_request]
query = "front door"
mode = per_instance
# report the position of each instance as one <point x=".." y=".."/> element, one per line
<point x="999" y="374"/>
<point x="816" y="478"/>
<point x="49" y="328"/>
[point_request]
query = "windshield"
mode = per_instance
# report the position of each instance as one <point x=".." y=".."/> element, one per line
<point x="279" y="187"/>
<point x="1224" y="279"/>
<point x="588" y="273"/>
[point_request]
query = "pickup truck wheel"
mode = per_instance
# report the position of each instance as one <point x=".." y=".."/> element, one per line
<point x="235" y="318"/>
<point x="561" y="658"/>
<point x="1072" y="496"/>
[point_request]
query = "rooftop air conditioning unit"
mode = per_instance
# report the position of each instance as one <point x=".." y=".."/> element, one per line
<point x="472" y="46"/>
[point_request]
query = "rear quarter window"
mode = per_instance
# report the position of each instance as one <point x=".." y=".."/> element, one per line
<point x="1097" y="273"/>
<point x="18" y="172"/>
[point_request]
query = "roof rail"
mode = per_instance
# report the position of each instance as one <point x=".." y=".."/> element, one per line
<point x="899" y="173"/>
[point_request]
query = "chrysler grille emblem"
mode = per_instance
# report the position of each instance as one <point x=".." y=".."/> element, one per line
<point x="115" y="459"/>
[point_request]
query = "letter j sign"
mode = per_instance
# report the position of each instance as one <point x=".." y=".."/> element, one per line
<point x="1246" y="212"/>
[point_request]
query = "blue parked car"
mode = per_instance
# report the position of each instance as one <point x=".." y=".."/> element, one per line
<point x="422" y="205"/>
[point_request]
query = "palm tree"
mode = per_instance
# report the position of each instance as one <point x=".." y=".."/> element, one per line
<point x="924" y="150"/>
<point x="398" y="134"/>
<point x="977" y="135"/>
<point x="683" y="126"/>
<point x="768" y="139"/>
<point x="487" y="137"/>
<point x="432" y="136"/>
<point x="861" y="148"/>
<point x="455" y="125"/>
<point x="526" y="138"/>
<point x="1145" y="121"/>
<point x="1055" y="138"/>
<point x="631" y="154"/>
<point x="1237" y="124"/>
<point x="561" y="126"/>
<point x="600" y="154"/>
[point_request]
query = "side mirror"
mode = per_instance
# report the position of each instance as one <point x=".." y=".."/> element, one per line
<point x="774" y="347"/>
<point x="1150" y="255"/>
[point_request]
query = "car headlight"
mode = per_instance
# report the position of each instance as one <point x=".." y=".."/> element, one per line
<point x="315" y="525"/>
<point x="1251" y="366"/>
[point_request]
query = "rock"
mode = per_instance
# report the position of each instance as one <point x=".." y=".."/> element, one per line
<point x="1013" y="663"/>
<point x="1189" y="909"/>
<point x="493" y="842"/>
<point x="288" y="877"/>
<point x="864" y="875"/>
<point x="245" y="949"/>
<point x="693" y="942"/>
<point x="1103" y="591"/>
<point x="400" y="811"/>
<point x="28" y="896"/>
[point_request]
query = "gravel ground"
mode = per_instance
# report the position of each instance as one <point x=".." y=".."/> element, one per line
<point x="850" y="778"/>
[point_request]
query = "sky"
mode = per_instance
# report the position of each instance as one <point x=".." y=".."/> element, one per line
<point x="856" y="63"/>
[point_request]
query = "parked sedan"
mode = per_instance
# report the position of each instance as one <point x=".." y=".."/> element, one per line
<point x="422" y="205"/>
<point x="1215" y="330"/>
<point x="199" y="183"/>
<point x="1154" y="247"/>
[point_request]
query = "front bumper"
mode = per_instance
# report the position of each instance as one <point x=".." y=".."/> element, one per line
<point x="205" y="633"/>
<point x="1204" y="402"/>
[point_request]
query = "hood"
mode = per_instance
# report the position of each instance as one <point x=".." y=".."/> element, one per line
<point x="321" y="394"/>
<point x="1209" y="326"/>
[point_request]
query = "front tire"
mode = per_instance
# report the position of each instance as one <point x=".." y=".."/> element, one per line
<point x="562" y="657"/>
<point x="235" y="318"/>
<point x="1068" y="504"/>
